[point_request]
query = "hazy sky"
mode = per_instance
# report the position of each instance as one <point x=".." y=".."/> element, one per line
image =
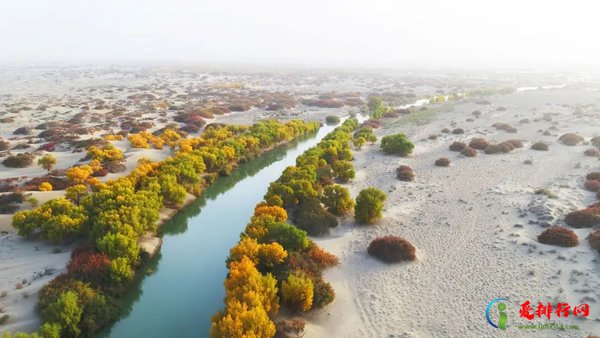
<point x="416" y="33"/>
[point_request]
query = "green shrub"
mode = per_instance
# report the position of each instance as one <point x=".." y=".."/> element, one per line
<point x="332" y="119"/>
<point x="19" y="161"/>
<point x="397" y="144"/>
<point x="369" y="205"/>
<point x="343" y="170"/>
<point x="312" y="218"/>
<point x="290" y="237"/>
<point x="337" y="199"/>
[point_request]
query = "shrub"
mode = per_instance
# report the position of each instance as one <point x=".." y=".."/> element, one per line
<point x="479" y="143"/>
<point x="359" y="142"/>
<point x="343" y="170"/>
<point x="595" y="141"/>
<point x="570" y="139"/>
<point x="515" y="143"/>
<point x="312" y="218"/>
<point x="369" y="205"/>
<point x="591" y="152"/>
<point x="392" y="249"/>
<point x="560" y="236"/>
<point x="445" y="131"/>
<point x="442" y="162"/>
<point x="594" y="239"/>
<point x="457" y="146"/>
<point x="468" y="152"/>
<point x="332" y="119"/>
<point x="503" y="147"/>
<point x="19" y="161"/>
<point x="592" y="185"/>
<point x="458" y="131"/>
<point x="337" y="199"/>
<point x="584" y="218"/>
<point x="45" y="186"/>
<point x="323" y="293"/>
<point x="297" y="292"/>
<point x="540" y="146"/>
<point x="397" y="144"/>
<point x="89" y="266"/>
<point x="290" y="328"/>
<point x="290" y="237"/>
<point x="593" y="176"/>
<point x="405" y="173"/>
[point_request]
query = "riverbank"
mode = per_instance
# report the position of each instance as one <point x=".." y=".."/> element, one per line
<point x="473" y="244"/>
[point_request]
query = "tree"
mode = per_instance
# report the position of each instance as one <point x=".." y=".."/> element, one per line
<point x="297" y="292"/>
<point x="312" y="218"/>
<point x="359" y="142"/>
<point x="45" y="186"/>
<point x="47" y="162"/>
<point x="343" y="170"/>
<point x="66" y="312"/>
<point x="240" y="320"/>
<point x="369" y="205"/>
<point x="79" y="174"/>
<point x="337" y="199"/>
<point x="120" y="246"/>
<point x="397" y="144"/>
<point x="120" y="270"/>
<point x="76" y="192"/>
<point x="290" y="237"/>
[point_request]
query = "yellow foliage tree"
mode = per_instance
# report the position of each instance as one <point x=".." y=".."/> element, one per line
<point x="45" y="186"/>
<point x="297" y="292"/>
<point x="242" y="321"/>
<point x="138" y="141"/>
<point x="271" y="254"/>
<point x="79" y="175"/>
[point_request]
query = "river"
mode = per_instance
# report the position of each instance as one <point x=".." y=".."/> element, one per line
<point x="182" y="287"/>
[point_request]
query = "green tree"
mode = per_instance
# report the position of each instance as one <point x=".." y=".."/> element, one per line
<point x="369" y="205"/>
<point x="337" y="199"/>
<point x="343" y="170"/>
<point x="47" y="162"/>
<point x="297" y="292"/>
<point x="397" y="144"/>
<point x="66" y="312"/>
<point x="359" y="142"/>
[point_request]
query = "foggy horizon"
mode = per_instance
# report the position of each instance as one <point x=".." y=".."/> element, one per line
<point x="429" y="35"/>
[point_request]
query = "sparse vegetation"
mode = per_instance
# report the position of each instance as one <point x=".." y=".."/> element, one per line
<point x="19" y="161"/>
<point x="468" y="152"/>
<point x="570" y="139"/>
<point x="405" y="173"/>
<point x="541" y="146"/>
<point x="457" y="146"/>
<point x="442" y="162"/>
<point x="479" y="143"/>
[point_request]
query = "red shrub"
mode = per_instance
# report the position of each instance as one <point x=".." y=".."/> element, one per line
<point x="322" y="257"/>
<point x="592" y="185"/>
<point x="584" y="218"/>
<point x="560" y="236"/>
<point x="594" y="239"/>
<point x="89" y="266"/>
<point x="391" y="249"/>
<point x="47" y="147"/>
<point x="479" y="143"/>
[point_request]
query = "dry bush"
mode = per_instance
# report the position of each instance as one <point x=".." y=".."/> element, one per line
<point x="458" y="131"/>
<point x="570" y="139"/>
<point x="405" y="173"/>
<point x="592" y="185"/>
<point x="290" y="328"/>
<point x="479" y="143"/>
<point x="457" y="146"/>
<point x="540" y="146"/>
<point x="595" y="141"/>
<point x="392" y="249"/>
<point x="594" y="239"/>
<point x="19" y="161"/>
<point x="584" y="218"/>
<point x="442" y="162"/>
<point x="505" y="126"/>
<point x="468" y="152"/>
<point x="592" y="152"/>
<point x="560" y="236"/>
<point x="595" y="175"/>
<point x="515" y="143"/>
<point x="476" y="113"/>
<point x="445" y="131"/>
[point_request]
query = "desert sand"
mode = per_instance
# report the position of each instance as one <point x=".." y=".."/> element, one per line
<point x="470" y="223"/>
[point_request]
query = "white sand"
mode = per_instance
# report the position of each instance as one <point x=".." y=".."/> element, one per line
<point x="461" y="220"/>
